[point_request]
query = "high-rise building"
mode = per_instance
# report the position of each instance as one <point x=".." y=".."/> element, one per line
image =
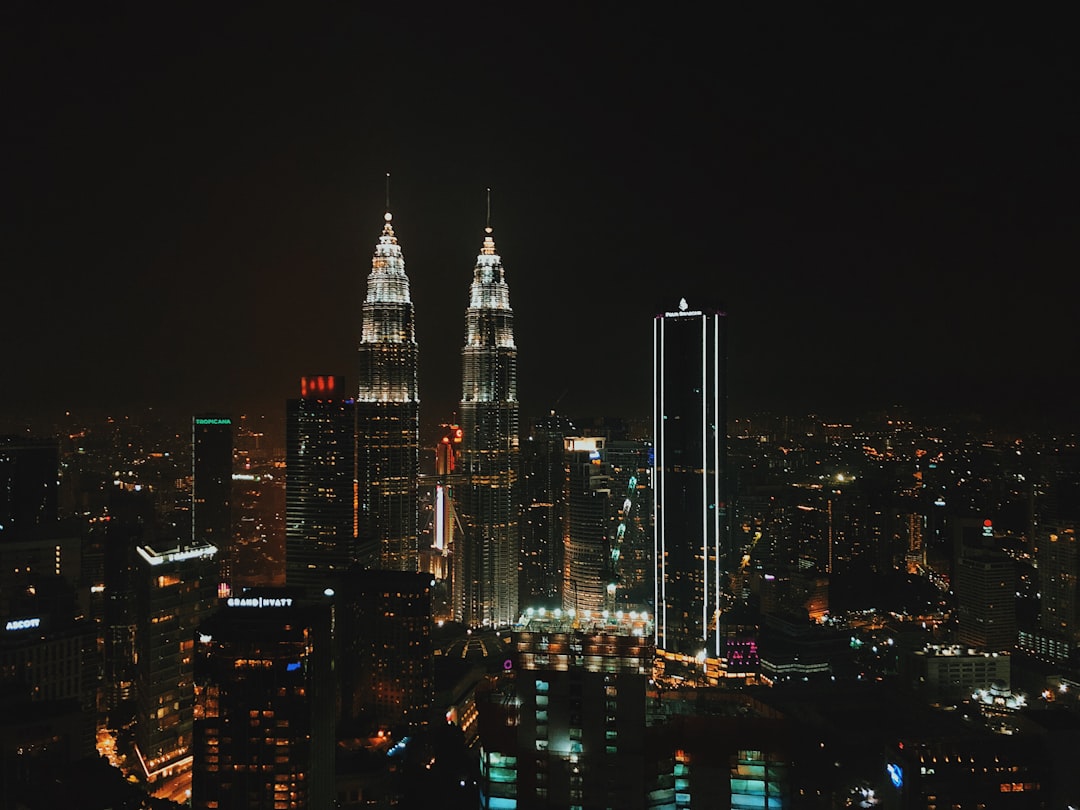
<point x="986" y="598"/>
<point x="384" y="619"/>
<point x="486" y="559"/>
<point x="129" y="524"/>
<point x="211" y="489"/>
<point x="566" y="726"/>
<point x="49" y="659"/>
<point x="690" y="450"/>
<point x="387" y="406"/>
<point x="29" y="473"/>
<point x="320" y="484"/>
<point x="631" y="546"/>
<point x="542" y="487"/>
<point x="588" y="569"/>
<point x="1059" y="575"/>
<point x="263" y="734"/>
<point x="175" y="592"/>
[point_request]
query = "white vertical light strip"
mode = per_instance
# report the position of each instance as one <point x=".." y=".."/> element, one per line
<point x="659" y="602"/>
<point x="440" y="538"/>
<point x="718" y="478"/>
<point x="705" y="479"/>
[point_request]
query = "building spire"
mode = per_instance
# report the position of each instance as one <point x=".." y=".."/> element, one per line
<point x="388" y="229"/>
<point x="489" y="241"/>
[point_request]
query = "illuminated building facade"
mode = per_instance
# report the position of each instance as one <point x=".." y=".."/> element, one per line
<point x="320" y="484"/>
<point x="486" y="559"/>
<point x="952" y="672"/>
<point x="631" y="547"/>
<point x="176" y="592"/>
<point x="386" y="667"/>
<point x="264" y="705"/>
<point x="1059" y="572"/>
<point x="445" y="523"/>
<point x="211" y="489"/>
<point x="387" y="406"/>
<point x="968" y="770"/>
<point x="690" y="449"/>
<point x="567" y="725"/>
<point x="588" y="568"/>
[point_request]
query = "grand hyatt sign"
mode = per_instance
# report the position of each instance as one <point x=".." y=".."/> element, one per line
<point x="259" y="601"/>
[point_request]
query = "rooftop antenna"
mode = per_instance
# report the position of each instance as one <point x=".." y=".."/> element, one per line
<point x="487" y="227"/>
<point x="388" y="192"/>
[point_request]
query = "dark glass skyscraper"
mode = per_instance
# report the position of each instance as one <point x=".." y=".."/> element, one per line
<point x="486" y="559"/>
<point x="263" y="730"/>
<point x="211" y="490"/>
<point x="387" y="405"/>
<point x="690" y="449"/>
<point x="320" y="484"/>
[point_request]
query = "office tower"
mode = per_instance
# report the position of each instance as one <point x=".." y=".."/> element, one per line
<point x="690" y="441"/>
<point x="29" y="486"/>
<point x="263" y="735"/>
<point x="986" y="599"/>
<point x="543" y="487"/>
<point x="320" y="481"/>
<point x="1058" y="552"/>
<point x="387" y="404"/>
<point x="130" y="523"/>
<point x="386" y="669"/>
<point x="445" y="522"/>
<point x="486" y="561"/>
<point x="588" y="568"/>
<point x="1059" y="573"/>
<point x="567" y="726"/>
<point x="49" y="664"/>
<point x="175" y="592"/>
<point x="631" y="546"/>
<point x="211" y="490"/>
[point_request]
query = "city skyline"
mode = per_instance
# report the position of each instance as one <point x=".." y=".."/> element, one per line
<point x="881" y="202"/>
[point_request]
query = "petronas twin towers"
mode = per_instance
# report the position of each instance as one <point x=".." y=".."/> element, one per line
<point x="485" y="561"/>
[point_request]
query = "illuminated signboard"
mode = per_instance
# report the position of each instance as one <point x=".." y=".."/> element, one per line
<point x="207" y="420"/>
<point x="896" y="774"/>
<point x="22" y="624"/>
<point x="688" y="314"/>
<point x="260" y="601"/>
<point x="175" y="555"/>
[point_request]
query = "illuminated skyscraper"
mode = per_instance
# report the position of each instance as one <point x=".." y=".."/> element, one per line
<point x="486" y="559"/>
<point x="211" y="491"/>
<point x="175" y="592"/>
<point x="588" y="568"/>
<point x="263" y="730"/>
<point x="690" y="447"/>
<point x="320" y="481"/>
<point x="387" y="405"/>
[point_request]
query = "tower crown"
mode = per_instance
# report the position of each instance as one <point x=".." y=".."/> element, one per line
<point x="387" y="283"/>
<point x="489" y="289"/>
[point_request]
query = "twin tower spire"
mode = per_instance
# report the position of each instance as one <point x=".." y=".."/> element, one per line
<point x="483" y="586"/>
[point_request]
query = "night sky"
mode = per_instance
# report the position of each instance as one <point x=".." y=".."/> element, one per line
<point x="886" y="204"/>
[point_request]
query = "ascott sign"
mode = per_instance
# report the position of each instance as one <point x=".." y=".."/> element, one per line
<point x="259" y="601"/>
<point x="22" y="624"/>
